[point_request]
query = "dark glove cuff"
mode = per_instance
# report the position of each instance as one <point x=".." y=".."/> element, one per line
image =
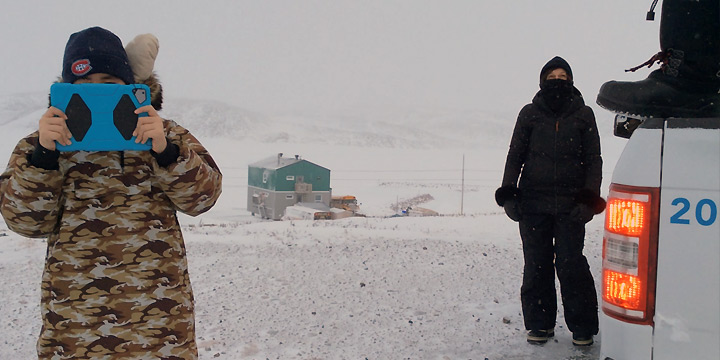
<point x="44" y="158"/>
<point x="168" y="156"/>
<point x="590" y="199"/>
<point x="506" y="193"/>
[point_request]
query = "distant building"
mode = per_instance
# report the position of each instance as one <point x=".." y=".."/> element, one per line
<point x="277" y="182"/>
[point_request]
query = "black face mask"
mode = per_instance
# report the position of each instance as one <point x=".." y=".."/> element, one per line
<point x="556" y="93"/>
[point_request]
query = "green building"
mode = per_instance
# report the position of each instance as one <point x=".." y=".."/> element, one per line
<point x="277" y="182"/>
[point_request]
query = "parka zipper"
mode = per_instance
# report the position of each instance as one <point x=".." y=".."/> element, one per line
<point x="555" y="155"/>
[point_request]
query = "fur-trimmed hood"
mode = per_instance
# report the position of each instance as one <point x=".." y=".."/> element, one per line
<point x="156" y="92"/>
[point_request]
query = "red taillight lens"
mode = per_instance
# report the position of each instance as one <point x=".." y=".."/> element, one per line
<point x="630" y="253"/>
<point x="627" y="216"/>
<point x="623" y="290"/>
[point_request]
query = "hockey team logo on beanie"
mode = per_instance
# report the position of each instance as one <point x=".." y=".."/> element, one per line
<point x="81" y="67"/>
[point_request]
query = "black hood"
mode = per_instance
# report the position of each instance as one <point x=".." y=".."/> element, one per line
<point x="555" y="63"/>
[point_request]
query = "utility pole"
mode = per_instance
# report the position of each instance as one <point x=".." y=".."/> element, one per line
<point x="462" y="186"/>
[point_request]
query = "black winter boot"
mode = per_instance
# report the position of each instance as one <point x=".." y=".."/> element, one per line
<point x="688" y="82"/>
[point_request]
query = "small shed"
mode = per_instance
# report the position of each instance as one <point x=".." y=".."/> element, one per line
<point x="278" y="182"/>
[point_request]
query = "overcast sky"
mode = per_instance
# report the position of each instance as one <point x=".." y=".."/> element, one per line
<point x="339" y="56"/>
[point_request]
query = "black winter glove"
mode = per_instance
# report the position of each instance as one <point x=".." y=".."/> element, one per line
<point x="512" y="209"/>
<point x="582" y="213"/>
<point x="505" y="193"/>
<point x="508" y="197"/>
<point x="591" y="200"/>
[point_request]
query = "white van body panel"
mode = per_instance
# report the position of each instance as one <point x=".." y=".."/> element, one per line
<point x="629" y="171"/>
<point x="687" y="305"/>
<point x="622" y="340"/>
<point x="691" y="159"/>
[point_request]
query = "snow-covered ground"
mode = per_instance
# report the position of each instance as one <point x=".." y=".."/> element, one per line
<point x="380" y="287"/>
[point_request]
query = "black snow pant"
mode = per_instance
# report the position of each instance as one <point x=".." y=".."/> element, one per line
<point x="542" y="258"/>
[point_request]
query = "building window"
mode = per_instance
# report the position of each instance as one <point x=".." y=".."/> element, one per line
<point x="290" y="177"/>
<point x="290" y="197"/>
<point x="318" y="198"/>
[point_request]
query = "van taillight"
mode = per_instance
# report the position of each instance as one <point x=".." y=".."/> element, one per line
<point x="627" y="216"/>
<point x="630" y="253"/>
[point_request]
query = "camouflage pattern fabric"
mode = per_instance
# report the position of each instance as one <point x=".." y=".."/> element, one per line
<point x="115" y="283"/>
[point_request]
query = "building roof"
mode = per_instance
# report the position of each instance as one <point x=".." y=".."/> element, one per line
<point x="275" y="162"/>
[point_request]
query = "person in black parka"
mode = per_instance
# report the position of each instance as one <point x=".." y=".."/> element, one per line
<point x="555" y="153"/>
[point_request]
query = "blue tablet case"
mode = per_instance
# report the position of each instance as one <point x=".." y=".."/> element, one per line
<point x="101" y="117"/>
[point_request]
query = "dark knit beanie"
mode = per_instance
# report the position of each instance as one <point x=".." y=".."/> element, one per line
<point x="555" y="63"/>
<point x="95" y="50"/>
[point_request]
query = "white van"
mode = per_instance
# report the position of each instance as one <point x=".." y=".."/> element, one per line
<point x="307" y="211"/>
<point x="661" y="246"/>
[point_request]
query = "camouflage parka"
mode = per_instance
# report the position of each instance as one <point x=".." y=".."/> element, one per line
<point x="115" y="282"/>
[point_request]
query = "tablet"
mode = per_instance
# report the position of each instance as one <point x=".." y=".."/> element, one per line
<point x="101" y="117"/>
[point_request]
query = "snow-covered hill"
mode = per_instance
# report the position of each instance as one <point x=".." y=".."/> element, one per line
<point x="419" y="129"/>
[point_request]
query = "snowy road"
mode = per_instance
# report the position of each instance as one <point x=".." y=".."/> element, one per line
<point x="390" y="288"/>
